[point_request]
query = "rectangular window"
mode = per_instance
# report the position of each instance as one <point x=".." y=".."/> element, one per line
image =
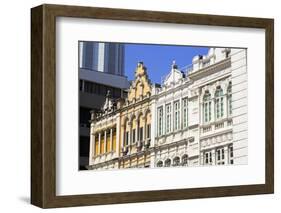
<point x="141" y="133"/>
<point x="208" y="158"/>
<point x="230" y="154"/>
<point x="168" y="118"/>
<point x="185" y="112"/>
<point x="160" y="121"/>
<point x="207" y="111"/>
<point x="219" y="107"/>
<point x="134" y="136"/>
<point x="210" y="111"/>
<point x="220" y="156"/>
<point x="148" y="131"/>
<point x="230" y="104"/>
<point x="176" y="115"/>
<point x="127" y="138"/>
<point x="221" y="112"/>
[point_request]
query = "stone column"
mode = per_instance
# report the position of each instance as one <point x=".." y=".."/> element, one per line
<point x="122" y="136"/>
<point x="92" y="148"/>
<point x="201" y="158"/>
<point x="130" y="136"/>
<point x="164" y="119"/>
<point x="144" y="130"/>
<point x="119" y="137"/>
<point x="137" y="130"/>
<point x="172" y="117"/>
<point x="225" y="107"/>
<point x="111" y="140"/>
<point x="201" y="113"/>
<point x="153" y="123"/>
<point x="104" y="148"/>
<point x="94" y="145"/>
<point x="226" y="158"/>
<point x="213" y="109"/>
<point x="99" y="149"/>
<point x="180" y="113"/>
<point x="213" y="157"/>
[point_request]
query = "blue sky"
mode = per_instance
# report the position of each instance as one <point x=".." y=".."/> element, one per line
<point x="158" y="58"/>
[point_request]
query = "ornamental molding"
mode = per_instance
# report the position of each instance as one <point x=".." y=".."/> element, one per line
<point x="226" y="63"/>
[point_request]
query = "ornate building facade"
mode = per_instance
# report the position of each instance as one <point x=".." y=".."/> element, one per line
<point x="197" y="116"/>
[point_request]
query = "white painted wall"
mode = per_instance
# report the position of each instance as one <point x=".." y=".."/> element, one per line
<point x="15" y="110"/>
<point x="240" y="106"/>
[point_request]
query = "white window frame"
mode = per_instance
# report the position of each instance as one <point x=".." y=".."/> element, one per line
<point x="230" y="154"/>
<point x="219" y="105"/>
<point x="220" y="156"/>
<point x="168" y="117"/>
<point x="176" y="115"/>
<point x="134" y="136"/>
<point x="207" y="107"/>
<point x="208" y="160"/>
<point x="148" y="131"/>
<point x="160" y="122"/>
<point x="185" y="112"/>
<point x="229" y="98"/>
<point x="127" y="138"/>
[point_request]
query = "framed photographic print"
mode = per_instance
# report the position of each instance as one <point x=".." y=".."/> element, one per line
<point x="136" y="106"/>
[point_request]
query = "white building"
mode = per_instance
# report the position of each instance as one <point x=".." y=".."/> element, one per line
<point x="201" y="118"/>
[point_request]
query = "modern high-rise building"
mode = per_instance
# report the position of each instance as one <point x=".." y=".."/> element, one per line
<point x="101" y="69"/>
<point x="102" y="57"/>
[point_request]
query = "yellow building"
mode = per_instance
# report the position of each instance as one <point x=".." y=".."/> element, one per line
<point x="121" y="131"/>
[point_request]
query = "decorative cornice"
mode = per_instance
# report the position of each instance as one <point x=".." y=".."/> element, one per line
<point x="223" y="64"/>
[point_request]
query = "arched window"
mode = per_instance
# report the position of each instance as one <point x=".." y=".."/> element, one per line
<point x="184" y="160"/>
<point x="219" y="103"/>
<point x="168" y="163"/>
<point x="159" y="164"/>
<point x="176" y="161"/>
<point x="229" y="98"/>
<point x="207" y="106"/>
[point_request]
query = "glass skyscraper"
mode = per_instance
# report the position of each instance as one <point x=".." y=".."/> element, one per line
<point x="102" y="57"/>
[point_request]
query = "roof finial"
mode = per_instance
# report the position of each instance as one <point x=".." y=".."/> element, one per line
<point x="140" y="64"/>
<point x="174" y="65"/>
